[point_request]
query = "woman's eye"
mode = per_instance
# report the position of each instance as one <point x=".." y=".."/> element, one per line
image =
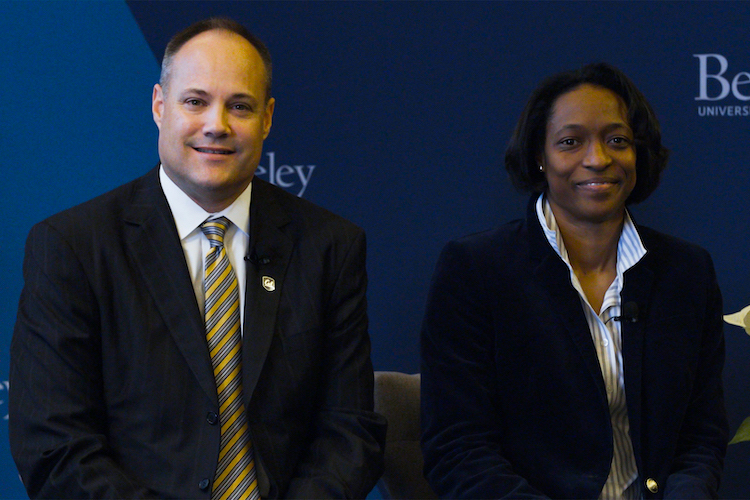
<point x="620" y="141"/>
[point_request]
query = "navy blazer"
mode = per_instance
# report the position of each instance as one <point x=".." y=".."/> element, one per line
<point x="112" y="390"/>
<point x="513" y="400"/>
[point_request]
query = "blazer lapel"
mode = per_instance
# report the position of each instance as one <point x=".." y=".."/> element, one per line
<point x="269" y="254"/>
<point x="565" y="303"/>
<point x="155" y="246"/>
<point x="637" y="286"/>
<point x="553" y="276"/>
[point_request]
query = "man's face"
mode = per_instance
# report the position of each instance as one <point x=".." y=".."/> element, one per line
<point x="213" y="117"/>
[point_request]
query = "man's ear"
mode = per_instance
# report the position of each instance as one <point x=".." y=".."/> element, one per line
<point x="268" y="117"/>
<point x="157" y="104"/>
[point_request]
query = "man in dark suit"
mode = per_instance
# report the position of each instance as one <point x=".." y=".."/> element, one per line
<point x="115" y="392"/>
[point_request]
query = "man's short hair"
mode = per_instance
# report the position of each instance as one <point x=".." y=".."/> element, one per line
<point x="214" y="23"/>
<point x="527" y="142"/>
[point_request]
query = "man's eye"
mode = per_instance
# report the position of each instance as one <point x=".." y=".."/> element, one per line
<point x="193" y="102"/>
<point x="242" y="107"/>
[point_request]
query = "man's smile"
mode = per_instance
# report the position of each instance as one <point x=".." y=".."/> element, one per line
<point x="214" y="151"/>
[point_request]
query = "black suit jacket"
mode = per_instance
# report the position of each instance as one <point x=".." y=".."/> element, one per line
<point x="514" y="403"/>
<point x="112" y="391"/>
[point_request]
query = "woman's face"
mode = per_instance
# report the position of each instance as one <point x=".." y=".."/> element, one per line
<point x="589" y="156"/>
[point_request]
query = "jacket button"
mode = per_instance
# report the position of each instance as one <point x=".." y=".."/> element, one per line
<point x="204" y="484"/>
<point x="652" y="485"/>
<point x="212" y="418"/>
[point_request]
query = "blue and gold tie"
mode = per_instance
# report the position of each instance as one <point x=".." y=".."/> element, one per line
<point x="235" y="473"/>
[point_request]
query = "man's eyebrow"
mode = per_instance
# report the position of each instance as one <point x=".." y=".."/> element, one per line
<point x="203" y="93"/>
<point x="242" y="95"/>
<point x="195" y="91"/>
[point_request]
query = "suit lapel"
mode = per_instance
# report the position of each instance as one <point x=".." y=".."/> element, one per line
<point x="637" y="287"/>
<point x="153" y="242"/>
<point x="553" y="276"/>
<point x="269" y="254"/>
<point x="565" y="303"/>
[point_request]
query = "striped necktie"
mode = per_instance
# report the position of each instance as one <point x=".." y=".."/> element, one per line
<point x="235" y="473"/>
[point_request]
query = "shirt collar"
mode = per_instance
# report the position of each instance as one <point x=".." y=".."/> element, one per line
<point x="188" y="215"/>
<point x="630" y="248"/>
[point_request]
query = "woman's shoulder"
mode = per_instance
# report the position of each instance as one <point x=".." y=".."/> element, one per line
<point x="667" y="252"/>
<point x="491" y="239"/>
<point x="493" y="249"/>
<point x="659" y="242"/>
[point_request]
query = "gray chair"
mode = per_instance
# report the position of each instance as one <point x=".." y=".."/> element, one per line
<point x="397" y="398"/>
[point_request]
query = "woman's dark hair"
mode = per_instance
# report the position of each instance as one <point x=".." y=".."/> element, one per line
<point x="527" y="142"/>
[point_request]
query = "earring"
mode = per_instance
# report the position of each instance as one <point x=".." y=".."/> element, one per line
<point x="541" y="168"/>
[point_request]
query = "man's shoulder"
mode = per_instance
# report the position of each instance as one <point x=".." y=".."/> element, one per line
<point x="304" y="213"/>
<point x="104" y="209"/>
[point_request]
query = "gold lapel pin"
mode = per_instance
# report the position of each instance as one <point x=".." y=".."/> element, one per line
<point x="269" y="283"/>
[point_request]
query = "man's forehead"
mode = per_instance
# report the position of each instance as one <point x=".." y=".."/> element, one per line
<point x="215" y="42"/>
<point x="218" y="54"/>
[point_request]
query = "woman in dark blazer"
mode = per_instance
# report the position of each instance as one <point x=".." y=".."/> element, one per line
<point x="575" y="354"/>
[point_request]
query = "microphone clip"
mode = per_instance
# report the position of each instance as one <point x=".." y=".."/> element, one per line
<point x="629" y="313"/>
<point x="258" y="261"/>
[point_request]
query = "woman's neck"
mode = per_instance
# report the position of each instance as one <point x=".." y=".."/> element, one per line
<point x="592" y="252"/>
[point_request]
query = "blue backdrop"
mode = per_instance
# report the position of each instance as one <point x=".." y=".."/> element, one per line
<point x="395" y="115"/>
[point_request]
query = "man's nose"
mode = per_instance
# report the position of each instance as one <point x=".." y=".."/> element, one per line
<point x="216" y="122"/>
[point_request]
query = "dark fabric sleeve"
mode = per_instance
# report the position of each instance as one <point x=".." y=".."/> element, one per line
<point x="703" y="437"/>
<point x="460" y="422"/>
<point x="57" y="422"/>
<point x="345" y="457"/>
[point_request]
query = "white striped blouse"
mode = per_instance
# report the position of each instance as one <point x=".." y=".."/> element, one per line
<point x="606" y="335"/>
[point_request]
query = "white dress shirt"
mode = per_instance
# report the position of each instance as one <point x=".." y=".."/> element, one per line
<point x="188" y="216"/>
<point x="606" y="334"/>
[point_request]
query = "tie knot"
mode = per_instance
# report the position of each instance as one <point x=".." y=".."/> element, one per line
<point x="214" y="230"/>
